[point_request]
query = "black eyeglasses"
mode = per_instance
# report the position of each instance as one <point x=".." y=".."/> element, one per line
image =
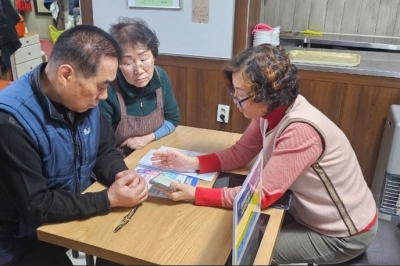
<point x="231" y="91"/>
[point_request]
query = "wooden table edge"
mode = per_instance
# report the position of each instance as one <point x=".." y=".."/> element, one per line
<point x="266" y="248"/>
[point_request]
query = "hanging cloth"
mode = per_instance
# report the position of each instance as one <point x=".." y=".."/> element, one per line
<point x="9" y="41"/>
<point x="60" y="21"/>
<point x="23" y="5"/>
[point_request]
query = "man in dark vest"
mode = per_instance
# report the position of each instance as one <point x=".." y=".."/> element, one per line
<point x="53" y="138"/>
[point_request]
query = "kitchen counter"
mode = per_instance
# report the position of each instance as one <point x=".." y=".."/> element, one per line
<point x="383" y="64"/>
<point x="341" y="40"/>
<point x="380" y="55"/>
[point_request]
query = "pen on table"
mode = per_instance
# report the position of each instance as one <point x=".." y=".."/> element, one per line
<point x="126" y="218"/>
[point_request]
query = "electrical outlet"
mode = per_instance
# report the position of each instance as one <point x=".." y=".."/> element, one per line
<point x="223" y="113"/>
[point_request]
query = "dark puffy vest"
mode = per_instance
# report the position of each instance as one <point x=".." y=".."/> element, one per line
<point x="68" y="154"/>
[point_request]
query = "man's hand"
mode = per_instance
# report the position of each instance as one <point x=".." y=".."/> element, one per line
<point x="129" y="189"/>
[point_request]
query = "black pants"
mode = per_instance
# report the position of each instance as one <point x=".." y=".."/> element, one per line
<point x="30" y="251"/>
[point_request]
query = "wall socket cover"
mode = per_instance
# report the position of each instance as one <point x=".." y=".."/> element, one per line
<point x="223" y="113"/>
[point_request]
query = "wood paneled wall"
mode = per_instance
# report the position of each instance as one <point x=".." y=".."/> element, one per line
<point x="358" y="105"/>
<point x="364" y="17"/>
<point x="199" y="87"/>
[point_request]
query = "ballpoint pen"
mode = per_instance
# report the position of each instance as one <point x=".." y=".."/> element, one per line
<point x="126" y="219"/>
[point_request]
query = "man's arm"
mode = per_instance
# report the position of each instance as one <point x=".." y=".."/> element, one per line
<point x="23" y="185"/>
<point x="109" y="160"/>
<point x="110" y="107"/>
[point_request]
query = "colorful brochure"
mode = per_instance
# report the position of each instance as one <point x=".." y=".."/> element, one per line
<point x="246" y="212"/>
<point x="147" y="163"/>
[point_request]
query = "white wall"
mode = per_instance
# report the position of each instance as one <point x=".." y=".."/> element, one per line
<point x="175" y="29"/>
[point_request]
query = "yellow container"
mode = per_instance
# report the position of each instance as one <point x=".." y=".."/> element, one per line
<point x="54" y="33"/>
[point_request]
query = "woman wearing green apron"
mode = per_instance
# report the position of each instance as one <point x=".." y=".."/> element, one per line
<point x="141" y="106"/>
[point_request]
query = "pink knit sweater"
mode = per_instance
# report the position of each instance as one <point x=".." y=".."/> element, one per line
<point x="291" y="163"/>
<point x="301" y="151"/>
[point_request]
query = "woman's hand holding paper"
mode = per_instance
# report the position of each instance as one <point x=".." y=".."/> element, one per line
<point x="181" y="191"/>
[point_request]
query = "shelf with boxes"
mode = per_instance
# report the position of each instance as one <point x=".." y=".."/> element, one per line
<point x="28" y="56"/>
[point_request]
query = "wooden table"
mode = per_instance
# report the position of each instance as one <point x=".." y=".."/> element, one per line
<point x="163" y="231"/>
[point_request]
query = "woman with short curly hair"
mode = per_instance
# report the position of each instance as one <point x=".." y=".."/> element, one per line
<point x="332" y="217"/>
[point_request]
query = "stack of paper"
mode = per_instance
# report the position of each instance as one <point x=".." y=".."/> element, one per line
<point x="146" y="162"/>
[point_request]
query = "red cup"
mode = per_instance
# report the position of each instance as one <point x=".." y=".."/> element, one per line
<point x="261" y="26"/>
